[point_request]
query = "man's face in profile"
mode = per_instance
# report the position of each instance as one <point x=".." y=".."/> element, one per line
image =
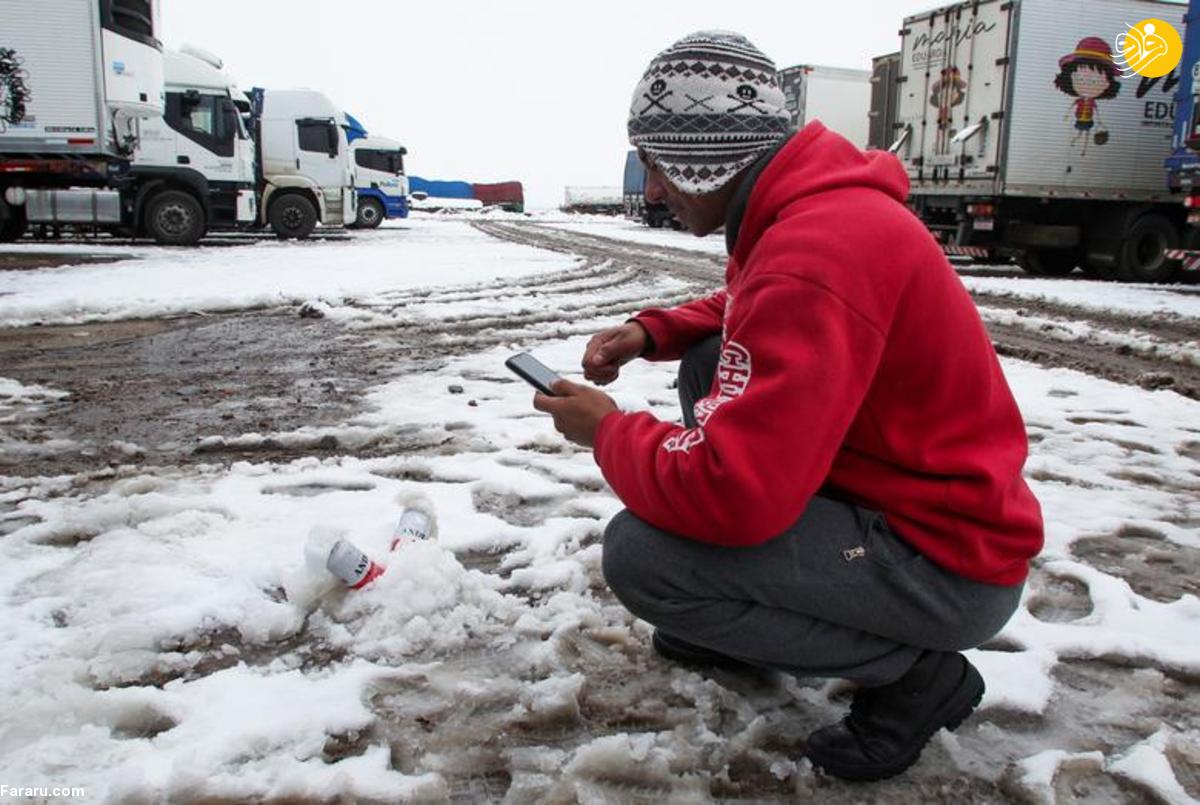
<point x="699" y="214"/>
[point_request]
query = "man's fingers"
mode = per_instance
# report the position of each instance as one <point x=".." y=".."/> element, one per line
<point x="543" y="402"/>
<point x="563" y="388"/>
<point x="598" y="348"/>
<point x="603" y="377"/>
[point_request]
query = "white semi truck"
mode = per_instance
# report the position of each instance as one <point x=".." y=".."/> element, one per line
<point x="1023" y="138"/>
<point x="305" y="164"/>
<point x="196" y="162"/>
<point x="76" y="79"/>
<point x="380" y="180"/>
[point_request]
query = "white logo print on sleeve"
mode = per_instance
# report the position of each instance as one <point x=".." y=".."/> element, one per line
<point x="733" y="377"/>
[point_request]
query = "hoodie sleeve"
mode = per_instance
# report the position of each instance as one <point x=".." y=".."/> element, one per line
<point x="674" y="330"/>
<point x="796" y="364"/>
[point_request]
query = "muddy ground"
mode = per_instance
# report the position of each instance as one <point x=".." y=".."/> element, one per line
<point x="179" y="391"/>
<point x="147" y="394"/>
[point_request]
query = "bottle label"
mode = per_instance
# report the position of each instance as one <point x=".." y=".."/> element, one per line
<point x="351" y="565"/>
<point x="414" y="526"/>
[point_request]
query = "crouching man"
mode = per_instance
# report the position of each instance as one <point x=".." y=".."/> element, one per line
<point x="844" y="497"/>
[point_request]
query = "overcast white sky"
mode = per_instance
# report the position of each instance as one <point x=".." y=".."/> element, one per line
<point x="487" y="90"/>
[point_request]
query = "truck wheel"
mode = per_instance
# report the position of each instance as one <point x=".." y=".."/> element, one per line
<point x="293" y="216"/>
<point x="1049" y="262"/>
<point x="175" y="218"/>
<point x="1142" y="256"/>
<point x="370" y="214"/>
<point x="12" y="222"/>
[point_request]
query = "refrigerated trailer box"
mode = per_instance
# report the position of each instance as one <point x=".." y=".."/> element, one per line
<point x="76" y="75"/>
<point x="839" y="98"/>
<point x="1022" y="138"/>
<point x="76" y="79"/>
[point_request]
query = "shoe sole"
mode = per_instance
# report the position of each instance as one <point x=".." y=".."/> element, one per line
<point x="950" y="715"/>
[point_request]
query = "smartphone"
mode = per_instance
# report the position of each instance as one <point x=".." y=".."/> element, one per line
<point x="532" y="371"/>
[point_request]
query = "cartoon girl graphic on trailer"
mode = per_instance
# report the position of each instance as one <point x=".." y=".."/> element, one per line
<point x="1089" y="74"/>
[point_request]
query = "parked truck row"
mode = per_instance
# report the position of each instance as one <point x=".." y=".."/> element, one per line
<point x="103" y="130"/>
<point x="1024" y="138"/>
<point x="1025" y="134"/>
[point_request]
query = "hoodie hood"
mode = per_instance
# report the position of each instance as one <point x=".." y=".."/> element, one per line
<point x="814" y="161"/>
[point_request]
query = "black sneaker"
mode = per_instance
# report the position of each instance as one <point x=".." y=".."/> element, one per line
<point x="676" y="650"/>
<point x="888" y="726"/>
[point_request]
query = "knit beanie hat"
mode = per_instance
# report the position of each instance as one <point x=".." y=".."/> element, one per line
<point x="707" y="107"/>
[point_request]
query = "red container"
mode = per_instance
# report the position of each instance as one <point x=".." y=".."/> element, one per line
<point x="503" y="193"/>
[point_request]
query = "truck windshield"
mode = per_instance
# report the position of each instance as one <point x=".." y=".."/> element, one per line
<point x="379" y="160"/>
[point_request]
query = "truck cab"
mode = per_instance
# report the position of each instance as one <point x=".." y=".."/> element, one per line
<point x="381" y="184"/>
<point x="306" y="168"/>
<point x="195" y="164"/>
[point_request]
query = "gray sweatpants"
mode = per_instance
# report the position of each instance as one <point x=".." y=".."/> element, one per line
<point x="837" y="594"/>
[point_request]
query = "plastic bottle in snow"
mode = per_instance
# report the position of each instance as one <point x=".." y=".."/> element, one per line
<point x="328" y="551"/>
<point x="416" y="522"/>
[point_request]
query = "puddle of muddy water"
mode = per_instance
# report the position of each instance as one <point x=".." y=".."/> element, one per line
<point x="160" y="387"/>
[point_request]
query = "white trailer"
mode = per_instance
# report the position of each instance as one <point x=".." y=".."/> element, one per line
<point x="1022" y="139"/>
<point x="305" y="162"/>
<point x="195" y="164"/>
<point x="76" y="77"/>
<point x="839" y="98"/>
<point x="599" y="200"/>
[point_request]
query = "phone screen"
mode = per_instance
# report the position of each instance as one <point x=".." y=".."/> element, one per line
<point x="532" y="371"/>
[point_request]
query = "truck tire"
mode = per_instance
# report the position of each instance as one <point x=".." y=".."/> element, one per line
<point x="12" y="222"/>
<point x="370" y="214"/>
<point x="175" y="218"/>
<point x="1142" y="256"/>
<point x="292" y="216"/>
<point x="1049" y="262"/>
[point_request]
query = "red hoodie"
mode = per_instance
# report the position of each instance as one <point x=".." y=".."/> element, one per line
<point x="853" y="357"/>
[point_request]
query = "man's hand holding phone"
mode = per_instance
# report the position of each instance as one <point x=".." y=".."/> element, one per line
<point x="611" y="349"/>
<point x="577" y="410"/>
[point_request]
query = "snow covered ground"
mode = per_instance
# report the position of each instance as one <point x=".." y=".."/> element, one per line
<point x="165" y="281"/>
<point x="164" y="639"/>
<point x="1174" y="300"/>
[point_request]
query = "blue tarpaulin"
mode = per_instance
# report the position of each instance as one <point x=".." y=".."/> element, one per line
<point x="438" y="188"/>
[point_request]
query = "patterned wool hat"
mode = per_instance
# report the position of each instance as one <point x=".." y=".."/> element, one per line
<point x="707" y="107"/>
